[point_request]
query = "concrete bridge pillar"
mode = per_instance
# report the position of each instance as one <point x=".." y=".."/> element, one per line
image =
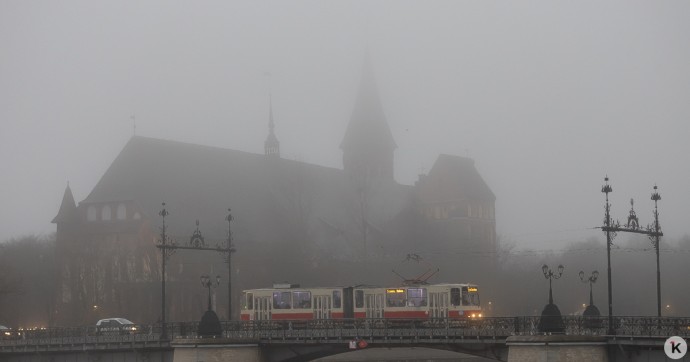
<point x="557" y="348"/>
<point x="214" y="350"/>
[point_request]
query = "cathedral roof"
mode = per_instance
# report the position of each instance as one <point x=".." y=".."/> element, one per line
<point x="454" y="178"/>
<point x="267" y="195"/>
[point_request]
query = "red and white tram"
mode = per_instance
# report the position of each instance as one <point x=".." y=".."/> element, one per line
<point x="427" y="301"/>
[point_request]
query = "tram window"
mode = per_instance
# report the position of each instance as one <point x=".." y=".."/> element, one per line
<point x="416" y="297"/>
<point x="250" y="301"/>
<point x="336" y="299"/>
<point x="282" y="300"/>
<point x="465" y="297"/>
<point x="302" y="299"/>
<point x="475" y="298"/>
<point x="395" y="297"/>
<point x="359" y="299"/>
<point x="455" y="297"/>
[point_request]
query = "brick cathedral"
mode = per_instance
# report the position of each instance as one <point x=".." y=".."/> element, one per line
<point x="293" y="221"/>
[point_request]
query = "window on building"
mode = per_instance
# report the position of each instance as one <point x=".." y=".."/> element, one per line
<point x="282" y="300"/>
<point x="106" y="213"/>
<point x="121" y="212"/>
<point x="302" y="299"/>
<point x="416" y="297"/>
<point x="91" y="213"/>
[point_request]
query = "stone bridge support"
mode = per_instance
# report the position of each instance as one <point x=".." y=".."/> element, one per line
<point x="214" y="350"/>
<point x="557" y="348"/>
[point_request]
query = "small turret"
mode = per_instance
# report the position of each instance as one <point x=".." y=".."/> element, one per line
<point x="68" y="208"/>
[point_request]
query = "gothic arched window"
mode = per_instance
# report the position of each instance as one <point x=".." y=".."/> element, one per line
<point x="106" y="213"/>
<point x="121" y="212"/>
<point x="91" y="213"/>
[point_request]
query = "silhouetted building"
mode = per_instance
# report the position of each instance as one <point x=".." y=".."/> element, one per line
<point x="293" y="221"/>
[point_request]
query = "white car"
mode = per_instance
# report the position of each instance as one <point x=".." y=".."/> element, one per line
<point x="115" y="326"/>
<point x="8" y="333"/>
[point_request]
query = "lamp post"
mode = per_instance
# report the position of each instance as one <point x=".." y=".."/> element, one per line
<point x="210" y="324"/>
<point x="610" y="234"/>
<point x="591" y="310"/>
<point x="206" y="282"/>
<point x="654" y="236"/>
<point x="549" y="274"/>
<point x="551" y="320"/>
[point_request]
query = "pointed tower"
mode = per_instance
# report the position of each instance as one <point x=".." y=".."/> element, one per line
<point x="68" y="209"/>
<point x="368" y="144"/>
<point x="271" y="146"/>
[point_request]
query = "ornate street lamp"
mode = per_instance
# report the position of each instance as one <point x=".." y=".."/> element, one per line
<point x="549" y="274"/>
<point x="591" y="280"/>
<point x="591" y="313"/>
<point x="206" y="282"/>
<point x="210" y="324"/>
<point x="551" y="320"/>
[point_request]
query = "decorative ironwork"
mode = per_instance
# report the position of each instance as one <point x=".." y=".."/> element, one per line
<point x="196" y="242"/>
<point x="633" y="222"/>
<point x="168" y="248"/>
<point x="611" y="228"/>
<point x="442" y="330"/>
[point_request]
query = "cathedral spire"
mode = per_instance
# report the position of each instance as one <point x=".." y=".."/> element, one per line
<point x="271" y="146"/>
<point x="368" y="144"/>
<point x="68" y="208"/>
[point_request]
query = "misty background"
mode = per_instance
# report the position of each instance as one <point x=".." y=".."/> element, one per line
<point x="547" y="97"/>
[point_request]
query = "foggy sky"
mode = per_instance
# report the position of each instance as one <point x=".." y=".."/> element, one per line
<point x="547" y="97"/>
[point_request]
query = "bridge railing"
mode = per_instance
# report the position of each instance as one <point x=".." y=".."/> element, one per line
<point x="492" y="327"/>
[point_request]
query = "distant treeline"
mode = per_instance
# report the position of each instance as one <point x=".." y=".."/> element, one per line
<point x="511" y="282"/>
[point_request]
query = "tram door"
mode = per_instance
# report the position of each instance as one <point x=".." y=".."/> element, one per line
<point x="322" y="307"/>
<point x="374" y="305"/>
<point x="262" y="308"/>
<point x="438" y="305"/>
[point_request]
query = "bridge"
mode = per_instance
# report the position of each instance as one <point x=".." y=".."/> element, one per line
<point x="500" y="338"/>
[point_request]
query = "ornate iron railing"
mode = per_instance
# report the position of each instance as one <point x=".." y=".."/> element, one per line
<point x="373" y="329"/>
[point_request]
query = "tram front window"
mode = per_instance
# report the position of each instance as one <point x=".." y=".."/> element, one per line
<point x="474" y="298"/>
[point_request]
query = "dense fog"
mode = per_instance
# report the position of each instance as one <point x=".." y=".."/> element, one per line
<point x="546" y="97"/>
